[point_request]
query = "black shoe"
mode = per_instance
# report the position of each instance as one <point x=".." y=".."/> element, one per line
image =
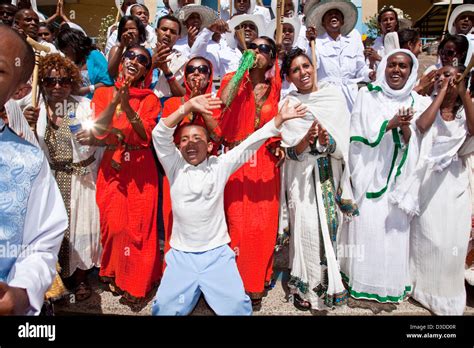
<point x="301" y="304"/>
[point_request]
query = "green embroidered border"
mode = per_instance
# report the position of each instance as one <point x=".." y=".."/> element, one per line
<point x="398" y="146"/>
<point x="382" y="131"/>
<point x="296" y="282"/>
<point x="366" y="295"/>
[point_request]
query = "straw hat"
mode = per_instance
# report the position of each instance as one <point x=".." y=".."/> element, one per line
<point x="294" y="21"/>
<point x="175" y="7"/>
<point x="455" y="14"/>
<point x="118" y="4"/>
<point x="237" y="20"/>
<point x="207" y="14"/>
<point x="314" y="16"/>
<point x="295" y="6"/>
<point x="309" y="4"/>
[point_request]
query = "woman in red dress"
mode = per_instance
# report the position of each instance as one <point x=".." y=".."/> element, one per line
<point x="252" y="194"/>
<point x="198" y="81"/>
<point x="127" y="183"/>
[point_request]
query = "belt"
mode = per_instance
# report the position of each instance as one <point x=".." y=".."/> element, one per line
<point x="78" y="168"/>
<point x="128" y="147"/>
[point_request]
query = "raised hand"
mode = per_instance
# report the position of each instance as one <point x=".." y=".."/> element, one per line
<point x="312" y="133"/>
<point x="288" y="112"/>
<point x="127" y="39"/>
<point x="401" y="119"/>
<point x="195" y="86"/>
<point x="461" y="86"/>
<point x="192" y="33"/>
<point x="426" y="84"/>
<point x="160" y="57"/>
<point x="203" y="104"/>
<point x="220" y="26"/>
<point x="323" y="136"/>
<point x="311" y="33"/>
<point x="31" y="114"/>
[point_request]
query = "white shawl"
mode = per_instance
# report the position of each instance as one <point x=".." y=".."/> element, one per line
<point x="329" y="107"/>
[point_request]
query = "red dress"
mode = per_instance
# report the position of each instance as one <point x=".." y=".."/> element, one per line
<point x="252" y="193"/>
<point x="128" y="197"/>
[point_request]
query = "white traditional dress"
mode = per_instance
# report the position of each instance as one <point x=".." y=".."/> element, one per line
<point x="76" y="173"/>
<point x="440" y="231"/>
<point x="32" y="218"/>
<point x="316" y="192"/>
<point x="379" y="161"/>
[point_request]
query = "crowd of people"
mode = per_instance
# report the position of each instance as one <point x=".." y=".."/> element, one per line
<point x="182" y="157"/>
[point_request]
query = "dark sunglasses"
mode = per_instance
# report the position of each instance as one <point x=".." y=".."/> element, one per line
<point x="141" y="58"/>
<point x="53" y="81"/>
<point x="448" y="53"/>
<point x="263" y="48"/>
<point x="203" y="69"/>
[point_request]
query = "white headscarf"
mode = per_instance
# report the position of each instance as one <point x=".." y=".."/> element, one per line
<point x="409" y="85"/>
<point x="129" y="9"/>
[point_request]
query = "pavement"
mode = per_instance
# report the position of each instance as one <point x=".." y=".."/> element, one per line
<point x="275" y="303"/>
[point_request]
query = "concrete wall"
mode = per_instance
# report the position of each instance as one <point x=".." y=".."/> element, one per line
<point x="415" y="8"/>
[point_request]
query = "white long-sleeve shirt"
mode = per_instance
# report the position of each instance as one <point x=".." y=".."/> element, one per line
<point x="223" y="58"/>
<point x="197" y="192"/>
<point x="35" y="218"/>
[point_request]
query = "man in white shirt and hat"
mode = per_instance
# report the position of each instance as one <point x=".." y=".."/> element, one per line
<point x="193" y="19"/>
<point x="339" y="49"/>
<point x="33" y="216"/>
<point x="461" y="22"/>
<point x="240" y="7"/>
<point x="226" y="53"/>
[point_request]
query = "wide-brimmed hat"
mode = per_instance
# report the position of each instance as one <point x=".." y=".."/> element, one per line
<point x="314" y="17"/>
<point x="275" y="3"/>
<point x="455" y="14"/>
<point x="118" y="4"/>
<point x="208" y="15"/>
<point x="237" y="20"/>
<point x="295" y="22"/>
<point x="175" y="7"/>
<point x="309" y="5"/>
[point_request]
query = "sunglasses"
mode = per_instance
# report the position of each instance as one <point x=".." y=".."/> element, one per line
<point x="141" y="58"/>
<point x="203" y="69"/>
<point x="263" y="48"/>
<point x="53" y="81"/>
<point x="448" y="53"/>
<point x="250" y="26"/>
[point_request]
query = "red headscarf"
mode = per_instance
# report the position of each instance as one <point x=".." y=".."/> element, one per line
<point x="137" y="95"/>
<point x="173" y="104"/>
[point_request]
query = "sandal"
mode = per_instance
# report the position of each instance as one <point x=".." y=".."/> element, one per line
<point x="256" y="302"/>
<point x="131" y="299"/>
<point x="114" y="289"/>
<point x="301" y="304"/>
<point x="83" y="291"/>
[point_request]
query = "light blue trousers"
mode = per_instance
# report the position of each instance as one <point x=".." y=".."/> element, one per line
<point x="213" y="272"/>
